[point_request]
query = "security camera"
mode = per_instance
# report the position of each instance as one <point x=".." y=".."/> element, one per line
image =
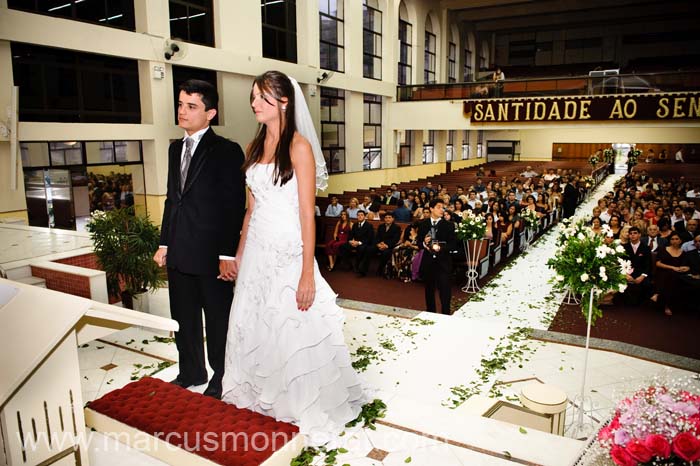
<point x="171" y="50"/>
<point x="324" y="77"/>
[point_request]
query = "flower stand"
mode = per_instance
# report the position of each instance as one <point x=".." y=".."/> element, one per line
<point x="475" y="250"/>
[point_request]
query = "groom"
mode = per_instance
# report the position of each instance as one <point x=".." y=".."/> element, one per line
<point x="200" y="231"/>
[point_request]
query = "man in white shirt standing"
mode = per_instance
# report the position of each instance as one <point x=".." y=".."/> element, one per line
<point x="679" y="155"/>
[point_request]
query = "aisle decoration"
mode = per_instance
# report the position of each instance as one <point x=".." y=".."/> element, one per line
<point x="532" y="221"/>
<point x="593" y="160"/>
<point x="633" y="156"/>
<point x="609" y="155"/>
<point x="470" y="231"/>
<point x="588" y="264"/>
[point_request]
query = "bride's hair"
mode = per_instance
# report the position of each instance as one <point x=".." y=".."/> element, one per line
<point x="277" y="85"/>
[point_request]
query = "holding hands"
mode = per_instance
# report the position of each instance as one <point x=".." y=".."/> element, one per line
<point x="228" y="269"/>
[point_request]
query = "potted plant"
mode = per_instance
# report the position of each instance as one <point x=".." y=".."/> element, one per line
<point x="124" y="244"/>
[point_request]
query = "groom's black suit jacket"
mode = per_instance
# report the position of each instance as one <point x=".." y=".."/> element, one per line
<point x="204" y="220"/>
<point x="200" y="222"/>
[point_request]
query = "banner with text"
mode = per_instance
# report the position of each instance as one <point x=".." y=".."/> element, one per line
<point x="681" y="106"/>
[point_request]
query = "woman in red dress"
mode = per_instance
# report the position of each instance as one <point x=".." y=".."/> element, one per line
<point x="340" y="237"/>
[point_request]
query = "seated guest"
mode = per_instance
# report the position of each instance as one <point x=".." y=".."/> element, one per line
<point x="692" y="278"/>
<point x="550" y="175"/>
<point x="458" y="208"/>
<point x="447" y="215"/>
<point x="369" y="205"/>
<point x="638" y="281"/>
<point x="687" y="227"/>
<point x="506" y="228"/>
<point x="402" y="213"/>
<point x="389" y="198"/>
<point x="653" y="240"/>
<point x="491" y="228"/>
<point x="677" y="216"/>
<point x="664" y="228"/>
<point x="354" y="208"/>
<point x="597" y="226"/>
<point x="334" y="208"/>
<point x="361" y="236"/>
<point x="404" y="253"/>
<point x="388" y="234"/>
<point x="690" y="246"/>
<point x="455" y="196"/>
<point x="341" y="233"/>
<point x="651" y="156"/>
<point x="428" y="188"/>
<point x="671" y="264"/>
<point x="615" y="225"/>
<point x="625" y="234"/>
<point x="529" y="172"/>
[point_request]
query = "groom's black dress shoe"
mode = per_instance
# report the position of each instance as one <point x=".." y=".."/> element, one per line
<point x="213" y="390"/>
<point x="186" y="383"/>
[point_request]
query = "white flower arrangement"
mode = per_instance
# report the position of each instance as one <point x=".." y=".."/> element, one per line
<point x="530" y="218"/>
<point x="472" y="226"/>
<point x="587" y="263"/>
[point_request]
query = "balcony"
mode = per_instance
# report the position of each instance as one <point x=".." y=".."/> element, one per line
<point x="569" y="86"/>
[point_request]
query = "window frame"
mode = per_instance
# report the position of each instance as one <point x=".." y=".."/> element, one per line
<point x="332" y="150"/>
<point x="451" y="62"/>
<point x="468" y="70"/>
<point x="32" y="6"/>
<point x="466" y="148"/>
<point x="340" y="35"/>
<point x="405" y="148"/>
<point x="430" y="61"/>
<point x="365" y="33"/>
<point x="287" y="33"/>
<point x="450" y="146"/>
<point x="407" y="47"/>
<point x="205" y="8"/>
<point x="371" y="101"/>
<point x="429" y="148"/>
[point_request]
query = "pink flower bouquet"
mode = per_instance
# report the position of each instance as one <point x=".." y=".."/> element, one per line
<point x="655" y="426"/>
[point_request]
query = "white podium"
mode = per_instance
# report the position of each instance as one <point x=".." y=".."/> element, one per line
<point x="41" y="406"/>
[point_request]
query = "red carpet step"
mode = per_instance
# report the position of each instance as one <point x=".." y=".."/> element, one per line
<point x="199" y="425"/>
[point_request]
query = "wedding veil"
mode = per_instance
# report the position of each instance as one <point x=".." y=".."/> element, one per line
<point x="305" y="127"/>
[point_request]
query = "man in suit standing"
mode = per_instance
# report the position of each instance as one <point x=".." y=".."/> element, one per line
<point x="638" y="281"/>
<point x="438" y="239"/>
<point x="200" y="231"/>
<point x="387" y="236"/>
<point x="361" y="236"/>
<point x="570" y="198"/>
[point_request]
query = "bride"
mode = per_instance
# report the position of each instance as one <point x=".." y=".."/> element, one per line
<point x="286" y="356"/>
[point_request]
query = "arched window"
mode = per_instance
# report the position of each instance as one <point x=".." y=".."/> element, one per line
<point x="430" y="53"/>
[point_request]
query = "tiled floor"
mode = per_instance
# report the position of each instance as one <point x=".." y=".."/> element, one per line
<point x="19" y="243"/>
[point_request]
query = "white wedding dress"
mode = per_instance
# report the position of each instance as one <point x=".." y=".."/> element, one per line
<point x="282" y="362"/>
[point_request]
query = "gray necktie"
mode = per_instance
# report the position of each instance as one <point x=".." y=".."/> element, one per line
<point x="185" y="163"/>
